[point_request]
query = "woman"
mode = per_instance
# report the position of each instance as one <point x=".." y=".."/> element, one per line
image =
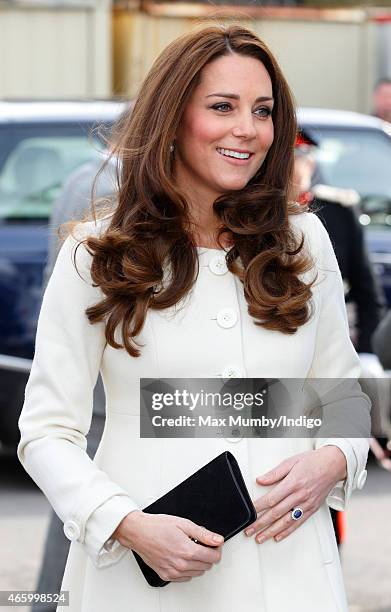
<point x="206" y="159"/>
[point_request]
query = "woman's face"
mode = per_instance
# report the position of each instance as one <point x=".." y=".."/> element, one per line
<point x="227" y="128"/>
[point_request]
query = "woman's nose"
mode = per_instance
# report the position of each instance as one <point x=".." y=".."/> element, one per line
<point x="244" y="126"/>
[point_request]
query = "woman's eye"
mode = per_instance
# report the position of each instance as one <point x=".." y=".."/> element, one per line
<point x="223" y="106"/>
<point x="264" y="111"/>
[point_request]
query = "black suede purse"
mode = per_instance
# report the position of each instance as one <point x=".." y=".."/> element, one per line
<point x="215" y="497"/>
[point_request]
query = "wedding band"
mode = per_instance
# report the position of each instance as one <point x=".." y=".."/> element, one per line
<point x="297" y="513"/>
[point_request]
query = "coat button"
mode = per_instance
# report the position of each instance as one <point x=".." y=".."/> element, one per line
<point x="362" y="479"/>
<point x="71" y="530"/>
<point x="231" y="372"/>
<point x="236" y="436"/>
<point x="218" y="266"/>
<point x="234" y="440"/>
<point x="227" y="318"/>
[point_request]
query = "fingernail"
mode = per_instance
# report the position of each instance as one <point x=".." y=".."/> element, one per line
<point x="217" y="538"/>
<point x="278" y="538"/>
<point x="261" y="539"/>
<point x="250" y="532"/>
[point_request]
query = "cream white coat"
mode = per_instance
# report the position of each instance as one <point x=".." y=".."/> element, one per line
<point x="299" y="574"/>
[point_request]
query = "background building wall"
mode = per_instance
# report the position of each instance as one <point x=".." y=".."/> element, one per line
<point x="330" y="57"/>
<point x="61" y="51"/>
<point x="89" y="49"/>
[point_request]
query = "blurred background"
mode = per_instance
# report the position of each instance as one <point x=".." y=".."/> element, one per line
<point x="68" y="67"/>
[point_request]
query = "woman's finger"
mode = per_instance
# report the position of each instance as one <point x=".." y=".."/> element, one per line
<point x="268" y="517"/>
<point x="286" y="532"/>
<point x="199" y="565"/>
<point x="283" y="524"/>
<point x="290" y="485"/>
<point x="280" y="471"/>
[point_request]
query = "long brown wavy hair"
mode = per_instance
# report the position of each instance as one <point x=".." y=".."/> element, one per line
<point x="149" y="230"/>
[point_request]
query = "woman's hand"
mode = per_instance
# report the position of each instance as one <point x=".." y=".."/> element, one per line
<point x="165" y="544"/>
<point x="304" y="480"/>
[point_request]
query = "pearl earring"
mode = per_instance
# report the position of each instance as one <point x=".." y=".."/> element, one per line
<point x="172" y="148"/>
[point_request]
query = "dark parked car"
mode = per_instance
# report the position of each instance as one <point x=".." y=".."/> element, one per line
<point x="41" y="143"/>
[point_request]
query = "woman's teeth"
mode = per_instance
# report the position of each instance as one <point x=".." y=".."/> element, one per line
<point x="230" y="153"/>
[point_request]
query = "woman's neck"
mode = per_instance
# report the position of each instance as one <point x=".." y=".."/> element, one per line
<point x="210" y="241"/>
<point x="204" y="228"/>
<point x="204" y="223"/>
<point x="205" y="234"/>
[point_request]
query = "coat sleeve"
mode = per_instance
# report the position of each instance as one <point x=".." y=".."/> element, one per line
<point x="57" y="411"/>
<point x="335" y="359"/>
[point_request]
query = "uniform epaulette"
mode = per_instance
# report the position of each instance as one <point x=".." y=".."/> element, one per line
<point x="345" y="197"/>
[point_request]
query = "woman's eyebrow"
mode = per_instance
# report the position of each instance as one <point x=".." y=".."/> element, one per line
<point x="237" y="97"/>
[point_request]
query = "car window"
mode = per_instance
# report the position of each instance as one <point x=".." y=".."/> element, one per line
<point x="355" y="159"/>
<point x="35" y="160"/>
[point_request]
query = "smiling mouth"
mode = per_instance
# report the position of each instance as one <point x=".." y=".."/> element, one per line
<point x="234" y="154"/>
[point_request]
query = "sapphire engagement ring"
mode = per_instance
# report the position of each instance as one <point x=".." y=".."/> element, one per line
<point x="297" y="513"/>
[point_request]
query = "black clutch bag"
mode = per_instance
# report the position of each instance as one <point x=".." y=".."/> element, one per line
<point x="215" y="497"/>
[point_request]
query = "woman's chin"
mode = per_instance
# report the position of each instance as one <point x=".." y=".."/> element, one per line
<point x="235" y="185"/>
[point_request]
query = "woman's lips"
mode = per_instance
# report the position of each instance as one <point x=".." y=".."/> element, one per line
<point x="236" y="161"/>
